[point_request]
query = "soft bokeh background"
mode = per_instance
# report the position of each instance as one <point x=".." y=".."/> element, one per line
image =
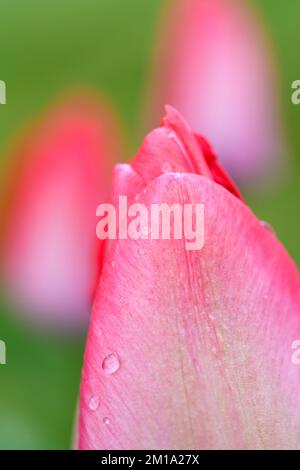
<point x="44" y="48"/>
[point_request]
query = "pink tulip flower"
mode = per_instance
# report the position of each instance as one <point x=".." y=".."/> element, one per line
<point x="64" y="167"/>
<point x="191" y="349"/>
<point x="213" y="63"/>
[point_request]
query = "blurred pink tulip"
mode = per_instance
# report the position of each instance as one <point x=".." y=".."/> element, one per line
<point x="191" y="349"/>
<point x="50" y="246"/>
<point x="213" y="63"/>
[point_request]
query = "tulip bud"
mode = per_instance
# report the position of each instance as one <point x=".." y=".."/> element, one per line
<point x="62" y="171"/>
<point x="214" y="64"/>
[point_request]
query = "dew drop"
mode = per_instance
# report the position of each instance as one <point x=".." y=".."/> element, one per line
<point x="97" y="331"/>
<point x="106" y="421"/>
<point x="113" y="263"/>
<point x="94" y="403"/>
<point x="171" y="134"/>
<point x="267" y="226"/>
<point x="166" y="167"/>
<point x="111" y="364"/>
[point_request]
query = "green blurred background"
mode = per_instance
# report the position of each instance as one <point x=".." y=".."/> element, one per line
<point x="44" y="48"/>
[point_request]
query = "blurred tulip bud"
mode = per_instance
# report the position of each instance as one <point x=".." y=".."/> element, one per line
<point x="62" y="170"/>
<point x="213" y="63"/>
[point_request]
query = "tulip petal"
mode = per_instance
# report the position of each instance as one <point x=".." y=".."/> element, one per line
<point x="192" y="349"/>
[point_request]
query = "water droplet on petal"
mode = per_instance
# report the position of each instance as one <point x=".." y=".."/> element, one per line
<point x="171" y="134"/>
<point x="97" y="330"/>
<point x="166" y="167"/>
<point x="111" y="364"/>
<point x="106" y="421"/>
<point x="267" y="226"/>
<point x="113" y="263"/>
<point x="94" y="403"/>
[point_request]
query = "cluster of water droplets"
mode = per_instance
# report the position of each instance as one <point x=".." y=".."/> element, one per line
<point x="110" y="365"/>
